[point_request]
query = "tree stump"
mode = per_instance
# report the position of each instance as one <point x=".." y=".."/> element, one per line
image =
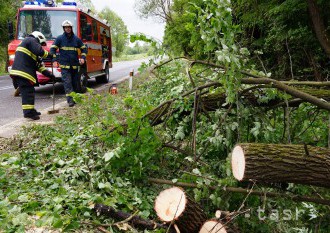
<point x="174" y="206"/>
<point x="271" y="163"/>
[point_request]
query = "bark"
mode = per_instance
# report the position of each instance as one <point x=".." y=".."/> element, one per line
<point x="299" y="164"/>
<point x="174" y="206"/>
<point x="135" y="221"/>
<point x="318" y="25"/>
<point x="296" y="198"/>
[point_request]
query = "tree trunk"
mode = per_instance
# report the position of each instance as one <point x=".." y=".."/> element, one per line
<point x="318" y="25"/>
<point x="271" y="163"/>
<point x="174" y="206"/>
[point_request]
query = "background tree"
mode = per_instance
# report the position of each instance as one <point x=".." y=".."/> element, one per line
<point x="8" y="10"/>
<point x="157" y="9"/>
<point x="288" y="39"/>
<point x="88" y="4"/>
<point x="119" y="30"/>
<point x="285" y="33"/>
<point x="182" y="32"/>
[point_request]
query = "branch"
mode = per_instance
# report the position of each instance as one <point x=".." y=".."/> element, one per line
<point x="245" y="191"/>
<point x="289" y="90"/>
<point x="135" y="221"/>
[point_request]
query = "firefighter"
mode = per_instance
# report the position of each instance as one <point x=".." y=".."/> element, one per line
<point x="68" y="44"/>
<point x="27" y="61"/>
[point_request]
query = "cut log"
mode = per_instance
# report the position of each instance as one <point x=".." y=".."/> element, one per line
<point x="220" y="225"/>
<point x="213" y="226"/>
<point x="173" y="205"/>
<point x="299" y="164"/>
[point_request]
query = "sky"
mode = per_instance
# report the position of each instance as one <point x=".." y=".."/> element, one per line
<point x="125" y="10"/>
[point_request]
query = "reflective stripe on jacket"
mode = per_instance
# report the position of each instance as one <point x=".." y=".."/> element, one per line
<point x="68" y="47"/>
<point x="27" y="60"/>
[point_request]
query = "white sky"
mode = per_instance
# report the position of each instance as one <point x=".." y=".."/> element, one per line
<point x="124" y="9"/>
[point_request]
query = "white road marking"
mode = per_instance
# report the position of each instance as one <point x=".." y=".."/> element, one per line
<point x="5" y="88"/>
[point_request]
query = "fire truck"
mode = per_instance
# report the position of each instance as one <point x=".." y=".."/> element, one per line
<point x="47" y="17"/>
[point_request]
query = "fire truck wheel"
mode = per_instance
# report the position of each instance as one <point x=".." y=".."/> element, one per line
<point x="104" y="78"/>
<point x="82" y="85"/>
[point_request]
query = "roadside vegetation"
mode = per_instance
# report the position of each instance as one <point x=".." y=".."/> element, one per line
<point x="136" y="52"/>
<point x="180" y="124"/>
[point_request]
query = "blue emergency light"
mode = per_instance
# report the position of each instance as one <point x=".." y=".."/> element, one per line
<point x="49" y="3"/>
<point x="69" y="4"/>
<point x="32" y="3"/>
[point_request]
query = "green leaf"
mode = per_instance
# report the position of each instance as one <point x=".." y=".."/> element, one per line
<point x="109" y="155"/>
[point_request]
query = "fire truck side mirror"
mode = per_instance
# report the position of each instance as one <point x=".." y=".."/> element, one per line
<point x="10" y="30"/>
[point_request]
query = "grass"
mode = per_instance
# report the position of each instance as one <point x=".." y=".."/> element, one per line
<point x="130" y="57"/>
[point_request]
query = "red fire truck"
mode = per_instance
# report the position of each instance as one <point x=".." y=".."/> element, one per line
<point x="47" y="17"/>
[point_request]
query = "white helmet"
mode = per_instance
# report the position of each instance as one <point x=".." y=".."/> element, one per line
<point x="40" y="37"/>
<point x="67" y="23"/>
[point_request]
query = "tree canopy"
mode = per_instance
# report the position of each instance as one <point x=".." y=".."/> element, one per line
<point x="286" y="38"/>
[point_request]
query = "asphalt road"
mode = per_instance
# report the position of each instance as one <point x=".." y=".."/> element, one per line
<point x="10" y="106"/>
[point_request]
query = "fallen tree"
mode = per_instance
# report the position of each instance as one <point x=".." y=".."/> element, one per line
<point x="212" y="101"/>
<point x="250" y="96"/>
<point x="299" y="164"/>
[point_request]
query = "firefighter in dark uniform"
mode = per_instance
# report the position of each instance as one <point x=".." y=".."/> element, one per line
<point x="69" y="44"/>
<point x="27" y="61"/>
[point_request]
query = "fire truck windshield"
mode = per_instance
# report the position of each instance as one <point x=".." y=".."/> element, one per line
<point x="47" y="22"/>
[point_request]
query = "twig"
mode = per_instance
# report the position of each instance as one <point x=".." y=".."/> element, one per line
<point x="287" y="47"/>
<point x="177" y="149"/>
<point x="196" y="103"/>
<point x="103" y="230"/>
<point x="189" y="75"/>
<point x="220" y="122"/>
<point x="176" y="211"/>
<point x="262" y="64"/>
<point x="315" y="115"/>
<point x="155" y="119"/>
<point x="204" y="177"/>
<point x="287" y="120"/>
